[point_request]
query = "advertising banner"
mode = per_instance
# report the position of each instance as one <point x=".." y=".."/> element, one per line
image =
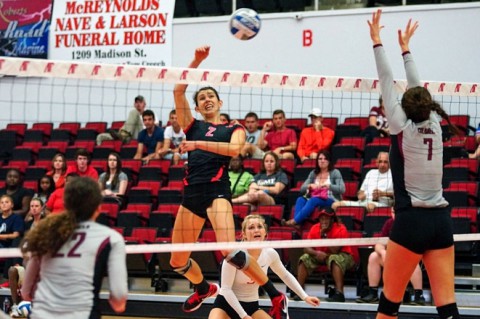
<point x="137" y="32"/>
<point x="24" y="28"/>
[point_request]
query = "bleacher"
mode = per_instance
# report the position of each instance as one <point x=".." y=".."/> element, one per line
<point x="157" y="184"/>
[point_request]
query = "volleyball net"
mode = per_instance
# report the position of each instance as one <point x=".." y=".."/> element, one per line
<point x="55" y="91"/>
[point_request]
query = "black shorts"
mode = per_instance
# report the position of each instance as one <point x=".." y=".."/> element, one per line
<point x="421" y="229"/>
<point x="197" y="198"/>
<point x="249" y="307"/>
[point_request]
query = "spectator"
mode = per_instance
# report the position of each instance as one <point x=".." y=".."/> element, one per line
<point x="376" y="189"/>
<point x="20" y="195"/>
<point x="376" y="261"/>
<point x="377" y="123"/>
<point x="16" y="272"/>
<point x="239" y="178"/>
<point x="35" y="214"/>
<point x="315" y="138"/>
<point x="59" y="170"/>
<point x="172" y="138"/>
<point x="55" y="204"/>
<point x="82" y="165"/>
<point x="225" y="118"/>
<point x="132" y="126"/>
<point x="476" y="154"/>
<point x="149" y="139"/>
<point x="338" y="259"/>
<point x="323" y="186"/>
<point x="253" y="133"/>
<point x="46" y="186"/>
<point x="12" y="227"/>
<point x="276" y="137"/>
<point x="267" y="185"/>
<point x="113" y="182"/>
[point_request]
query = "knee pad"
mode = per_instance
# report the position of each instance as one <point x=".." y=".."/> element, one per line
<point x="239" y="259"/>
<point x="387" y="307"/>
<point x="448" y="311"/>
<point x="183" y="270"/>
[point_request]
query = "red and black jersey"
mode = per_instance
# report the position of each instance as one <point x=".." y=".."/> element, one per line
<point x="203" y="166"/>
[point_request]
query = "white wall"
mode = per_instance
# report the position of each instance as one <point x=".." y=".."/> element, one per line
<point x="446" y="46"/>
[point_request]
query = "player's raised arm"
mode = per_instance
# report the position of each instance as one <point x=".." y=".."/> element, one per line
<point x="184" y="114"/>
<point x="413" y="79"/>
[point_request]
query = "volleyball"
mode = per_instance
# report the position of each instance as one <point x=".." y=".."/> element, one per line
<point x="245" y="24"/>
<point x="25" y="307"/>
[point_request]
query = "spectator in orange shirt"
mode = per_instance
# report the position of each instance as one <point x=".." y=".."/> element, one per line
<point x="315" y="138"/>
<point x="82" y="165"/>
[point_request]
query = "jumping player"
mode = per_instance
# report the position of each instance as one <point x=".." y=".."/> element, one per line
<point x="207" y="192"/>
<point x="423" y="226"/>
<point x="71" y="254"/>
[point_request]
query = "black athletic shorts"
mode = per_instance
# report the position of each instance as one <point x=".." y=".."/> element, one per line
<point x="199" y="197"/>
<point x="421" y="229"/>
<point x="249" y="307"/>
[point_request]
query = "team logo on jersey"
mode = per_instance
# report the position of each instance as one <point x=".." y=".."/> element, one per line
<point x="211" y="129"/>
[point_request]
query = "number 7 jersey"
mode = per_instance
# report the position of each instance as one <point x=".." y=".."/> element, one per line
<point x="416" y="153"/>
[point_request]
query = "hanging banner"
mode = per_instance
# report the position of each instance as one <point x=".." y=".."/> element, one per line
<point x="137" y="32"/>
<point x="24" y="28"/>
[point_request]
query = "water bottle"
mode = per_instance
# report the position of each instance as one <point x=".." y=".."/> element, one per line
<point x="156" y="276"/>
<point x="6" y="305"/>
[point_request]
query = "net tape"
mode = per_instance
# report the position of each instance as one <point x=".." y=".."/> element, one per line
<point x="285" y="244"/>
<point x="90" y="71"/>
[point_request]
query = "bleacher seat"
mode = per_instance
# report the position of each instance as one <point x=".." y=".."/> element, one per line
<point x="373" y="221"/>
<point x="361" y="121"/>
<point x="116" y="145"/>
<point x="470" y="187"/>
<point x="71" y="127"/>
<point x="35" y="135"/>
<point x="45" y="127"/>
<point x="111" y="209"/>
<point x="60" y="146"/>
<point x="351" y="190"/>
<point x="34" y="173"/>
<point x="19" y="128"/>
<point x="99" y="127"/>
<point x="8" y="141"/>
<point x="163" y="221"/>
<point x="274" y="211"/>
<point x="330" y="122"/>
<point x="454" y="174"/>
<point x="352" y="217"/>
<point x="344" y="130"/>
<point x="470" y="163"/>
<point x="61" y="135"/>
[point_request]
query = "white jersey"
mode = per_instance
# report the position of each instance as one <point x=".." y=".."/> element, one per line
<point x="416" y="154"/>
<point x="376" y="180"/>
<point x="71" y="280"/>
<point x="175" y="138"/>
<point x="236" y="286"/>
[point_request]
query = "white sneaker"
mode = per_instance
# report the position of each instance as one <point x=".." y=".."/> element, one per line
<point x="14" y="313"/>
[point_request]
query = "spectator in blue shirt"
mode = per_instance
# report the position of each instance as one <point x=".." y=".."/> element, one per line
<point x="149" y="139"/>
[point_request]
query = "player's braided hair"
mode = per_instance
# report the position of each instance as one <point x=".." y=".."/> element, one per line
<point x="418" y="103"/>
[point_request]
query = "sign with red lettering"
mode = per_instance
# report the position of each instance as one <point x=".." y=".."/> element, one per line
<point x="24" y="26"/>
<point x="137" y="32"/>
